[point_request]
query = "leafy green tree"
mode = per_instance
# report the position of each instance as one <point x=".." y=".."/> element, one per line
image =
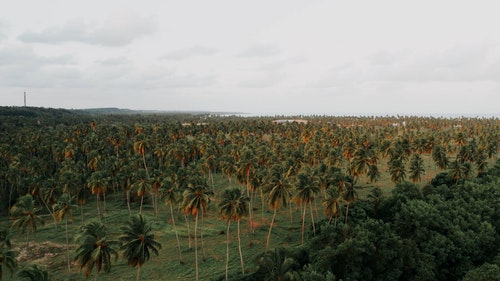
<point x="25" y="216"/>
<point x="94" y="250"/>
<point x="139" y="242"/>
<point x="34" y="272"/>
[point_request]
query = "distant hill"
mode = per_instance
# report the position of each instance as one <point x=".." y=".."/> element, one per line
<point x="14" y="111"/>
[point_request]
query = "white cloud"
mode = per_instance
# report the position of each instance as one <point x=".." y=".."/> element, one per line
<point x="260" y="50"/>
<point x="186" y="53"/>
<point x="264" y="80"/>
<point x="117" y="31"/>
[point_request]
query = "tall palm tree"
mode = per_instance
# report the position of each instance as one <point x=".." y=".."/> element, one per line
<point x="63" y="209"/>
<point x="25" y="215"/>
<point x="332" y="204"/>
<point x="34" y="272"/>
<point x="171" y="196"/>
<point x="196" y="200"/>
<point x="306" y="189"/>
<point x="416" y="168"/>
<point x="233" y="206"/>
<point x="139" y="242"/>
<point x="397" y="170"/>
<point x="94" y="250"/>
<point x="278" y="190"/>
<point x="350" y="195"/>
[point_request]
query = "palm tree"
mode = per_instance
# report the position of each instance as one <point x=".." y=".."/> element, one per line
<point x="34" y="272"/>
<point x="278" y="189"/>
<point x="439" y="156"/>
<point x="63" y="209"/>
<point x="306" y="189"/>
<point x="416" y="168"/>
<point x="233" y="205"/>
<point x="25" y="214"/>
<point x="196" y="200"/>
<point x="171" y="196"/>
<point x="350" y="195"/>
<point x="332" y="204"/>
<point x="94" y="249"/>
<point x="7" y="259"/>
<point x="139" y="242"/>
<point x="277" y="265"/>
<point x="397" y="170"/>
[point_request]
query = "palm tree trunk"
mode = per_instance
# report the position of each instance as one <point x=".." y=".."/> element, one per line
<point x="176" y="234"/>
<point x="104" y="205"/>
<point x="303" y="222"/>
<point x="138" y="273"/>
<point x="142" y="200"/>
<point x="50" y="212"/>
<point x="270" y="229"/>
<point x="312" y="217"/>
<point x="127" y="194"/>
<point x="346" y="212"/>
<point x="98" y="208"/>
<point x="27" y="240"/>
<point x="81" y="212"/>
<point x="67" y="245"/>
<point x="250" y="209"/>
<point x="291" y="215"/>
<point x="189" y="232"/>
<point x="227" y="248"/>
<point x="203" y="257"/>
<point x="196" y="245"/>
<point x="239" y="249"/>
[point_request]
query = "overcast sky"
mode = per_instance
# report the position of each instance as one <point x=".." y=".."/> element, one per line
<point x="368" y="57"/>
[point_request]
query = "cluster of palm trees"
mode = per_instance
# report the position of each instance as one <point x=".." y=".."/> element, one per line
<point x="325" y="161"/>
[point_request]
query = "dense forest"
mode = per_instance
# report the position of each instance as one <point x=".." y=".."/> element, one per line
<point x="318" y="197"/>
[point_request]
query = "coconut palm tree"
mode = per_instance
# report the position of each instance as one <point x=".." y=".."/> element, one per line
<point x="278" y="189"/>
<point x="350" y="195"/>
<point x="63" y="209"/>
<point x="25" y="215"/>
<point x="171" y="195"/>
<point x="94" y="250"/>
<point x="332" y="204"/>
<point x="416" y="168"/>
<point x="306" y="189"/>
<point x="196" y="200"/>
<point x="233" y="206"/>
<point x="34" y="272"/>
<point x="139" y="242"/>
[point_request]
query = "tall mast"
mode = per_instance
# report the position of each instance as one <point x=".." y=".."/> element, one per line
<point x="24" y="98"/>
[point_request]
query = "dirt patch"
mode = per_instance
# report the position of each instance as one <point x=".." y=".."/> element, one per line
<point x="42" y="253"/>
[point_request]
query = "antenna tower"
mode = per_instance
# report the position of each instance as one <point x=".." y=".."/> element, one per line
<point x="24" y="98"/>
